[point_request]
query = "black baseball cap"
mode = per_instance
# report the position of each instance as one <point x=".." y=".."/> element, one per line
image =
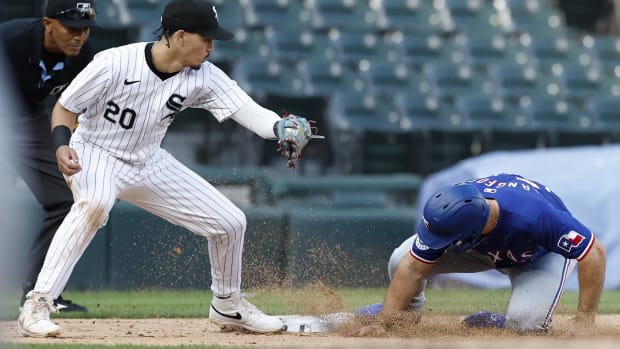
<point x="72" y="13"/>
<point x="194" y="16"/>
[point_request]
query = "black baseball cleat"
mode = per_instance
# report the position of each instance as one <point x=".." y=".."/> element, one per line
<point x="65" y="306"/>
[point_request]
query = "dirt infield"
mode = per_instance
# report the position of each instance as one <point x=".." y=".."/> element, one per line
<point x="433" y="332"/>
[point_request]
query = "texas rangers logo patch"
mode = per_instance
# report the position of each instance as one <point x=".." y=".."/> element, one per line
<point x="571" y="240"/>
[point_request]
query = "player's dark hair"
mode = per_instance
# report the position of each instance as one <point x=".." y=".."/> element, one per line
<point x="166" y="32"/>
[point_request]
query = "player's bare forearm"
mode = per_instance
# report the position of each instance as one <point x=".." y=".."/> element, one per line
<point x="405" y="285"/>
<point x="67" y="158"/>
<point x="591" y="279"/>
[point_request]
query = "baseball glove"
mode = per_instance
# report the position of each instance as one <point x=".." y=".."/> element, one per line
<point x="294" y="132"/>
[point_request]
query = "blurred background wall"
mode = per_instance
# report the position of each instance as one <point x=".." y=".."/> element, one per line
<point x="403" y="89"/>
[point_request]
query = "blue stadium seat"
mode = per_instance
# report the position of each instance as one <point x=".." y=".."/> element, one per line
<point x="360" y="111"/>
<point x="327" y="77"/>
<point x="449" y="80"/>
<point x="482" y="49"/>
<point x="513" y="81"/>
<point x="354" y="47"/>
<point x="341" y="14"/>
<point x="388" y="78"/>
<point x="485" y="112"/>
<point x="579" y="83"/>
<point x="299" y="45"/>
<point x="547" y="49"/>
<point x="605" y="51"/>
<point x="418" y="50"/>
<point x="501" y="124"/>
<point x="425" y="112"/>
<point x="368" y="134"/>
<point x="411" y="17"/>
<point x="244" y="43"/>
<point x="530" y="16"/>
<point x="471" y="15"/>
<point x="261" y="77"/>
<point x="606" y="111"/>
<point x="557" y="114"/>
<point x="276" y="14"/>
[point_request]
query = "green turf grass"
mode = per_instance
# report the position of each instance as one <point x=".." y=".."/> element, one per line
<point x="195" y="304"/>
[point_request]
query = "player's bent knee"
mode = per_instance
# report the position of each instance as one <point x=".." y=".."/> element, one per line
<point x="97" y="214"/>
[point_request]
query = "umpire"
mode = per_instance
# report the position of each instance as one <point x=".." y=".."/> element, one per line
<point x="45" y="54"/>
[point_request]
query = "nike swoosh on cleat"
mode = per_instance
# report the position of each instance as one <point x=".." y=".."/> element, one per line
<point x="237" y="316"/>
<point x="131" y="82"/>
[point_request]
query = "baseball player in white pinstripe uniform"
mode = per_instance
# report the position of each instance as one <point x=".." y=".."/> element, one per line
<point x="125" y="100"/>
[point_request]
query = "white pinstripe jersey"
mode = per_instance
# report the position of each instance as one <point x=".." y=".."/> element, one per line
<point x="125" y="108"/>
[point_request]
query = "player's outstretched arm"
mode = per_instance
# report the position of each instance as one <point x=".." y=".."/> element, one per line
<point x="591" y="279"/>
<point x="292" y="132"/>
<point x="405" y="285"/>
<point x="63" y="122"/>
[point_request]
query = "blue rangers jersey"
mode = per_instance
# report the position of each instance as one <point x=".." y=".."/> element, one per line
<point x="533" y="221"/>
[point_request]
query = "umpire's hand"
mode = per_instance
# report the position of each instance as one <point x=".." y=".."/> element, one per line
<point x="68" y="162"/>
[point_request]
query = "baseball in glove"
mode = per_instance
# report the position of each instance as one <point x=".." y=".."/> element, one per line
<point x="294" y="132"/>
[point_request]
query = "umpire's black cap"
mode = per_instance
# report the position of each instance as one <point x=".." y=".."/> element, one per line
<point x="72" y="13"/>
<point x="194" y="16"/>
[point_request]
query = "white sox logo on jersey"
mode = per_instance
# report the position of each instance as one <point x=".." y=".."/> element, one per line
<point x="174" y="103"/>
<point x="571" y="240"/>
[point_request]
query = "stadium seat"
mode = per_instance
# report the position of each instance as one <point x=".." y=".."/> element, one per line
<point x="530" y="16"/>
<point x="262" y="77"/>
<point x="606" y="112"/>
<point x="486" y="113"/>
<point x="448" y="80"/>
<point x="113" y="36"/>
<point x="360" y="111"/>
<point x="244" y="43"/>
<point x="368" y="134"/>
<point x="470" y="15"/>
<point x="502" y="126"/>
<point x="300" y="45"/>
<point x="547" y="49"/>
<point x="411" y="17"/>
<point x="355" y="47"/>
<point x="388" y="78"/>
<point x="578" y="83"/>
<point x="417" y="50"/>
<point x="605" y="51"/>
<point x="341" y="14"/>
<point x="548" y="112"/>
<point x="327" y="77"/>
<point x="426" y="111"/>
<point x="513" y="81"/>
<point x="482" y="49"/>
<point x="146" y="14"/>
<point x="277" y="14"/>
<point x="440" y="137"/>
<point x="564" y="122"/>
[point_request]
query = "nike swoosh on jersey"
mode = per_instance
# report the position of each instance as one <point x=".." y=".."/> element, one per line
<point x="131" y="82"/>
<point x="236" y="316"/>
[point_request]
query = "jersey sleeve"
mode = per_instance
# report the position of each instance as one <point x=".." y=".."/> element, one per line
<point x="222" y="96"/>
<point x="87" y="87"/>
<point x="563" y="234"/>
<point x="424" y="253"/>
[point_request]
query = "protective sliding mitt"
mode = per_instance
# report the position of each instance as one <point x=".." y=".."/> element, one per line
<point x="294" y="132"/>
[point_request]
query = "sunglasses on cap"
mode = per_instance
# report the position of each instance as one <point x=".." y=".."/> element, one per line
<point x="77" y="13"/>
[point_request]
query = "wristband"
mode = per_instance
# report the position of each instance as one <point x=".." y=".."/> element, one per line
<point x="61" y="135"/>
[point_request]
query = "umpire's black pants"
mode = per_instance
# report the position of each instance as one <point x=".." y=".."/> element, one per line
<point x="36" y="165"/>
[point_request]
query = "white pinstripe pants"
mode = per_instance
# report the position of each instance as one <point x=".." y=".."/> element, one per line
<point x="162" y="186"/>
